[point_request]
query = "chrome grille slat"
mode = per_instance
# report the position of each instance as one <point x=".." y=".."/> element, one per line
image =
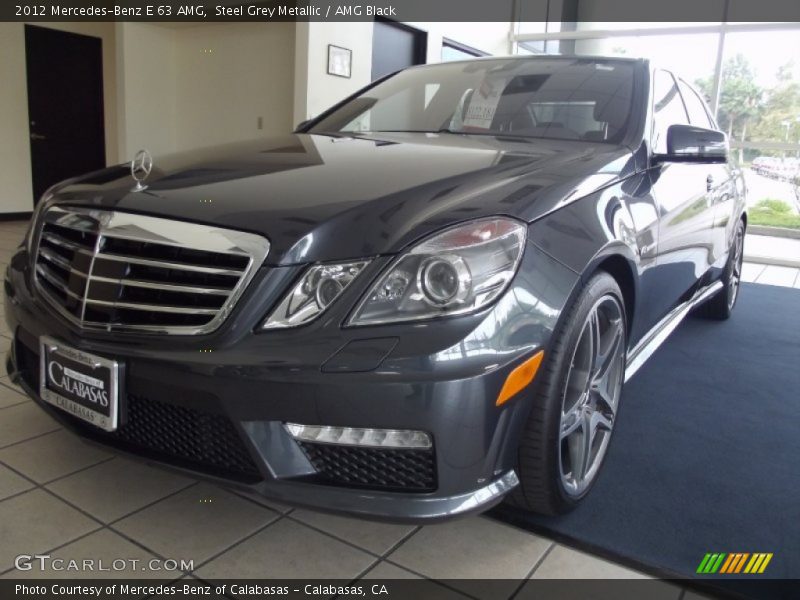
<point x="97" y="243"/>
<point x="163" y="286"/>
<point x="133" y="238"/>
<point x="65" y="243"/>
<point x="56" y="282"/>
<point x="153" y="307"/>
<point x="167" y="265"/>
<point x="61" y="262"/>
<point x="186" y="280"/>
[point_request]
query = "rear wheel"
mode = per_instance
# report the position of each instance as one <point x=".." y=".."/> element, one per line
<point x="720" y="306"/>
<point x="576" y="402"/>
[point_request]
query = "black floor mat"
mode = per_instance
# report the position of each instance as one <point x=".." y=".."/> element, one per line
<point x="706" y="454"/>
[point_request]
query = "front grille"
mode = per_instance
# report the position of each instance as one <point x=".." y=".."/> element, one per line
<point x="390" y="469"/>
<point x="110" y="270"/>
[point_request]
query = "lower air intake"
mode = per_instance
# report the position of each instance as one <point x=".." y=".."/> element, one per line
<point x="202" y="441"/>
<point x="387" y="469"/>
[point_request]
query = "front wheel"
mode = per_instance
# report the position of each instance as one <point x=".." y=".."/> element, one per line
<point x="576" y="402"/>
<point x="720" y="306"/>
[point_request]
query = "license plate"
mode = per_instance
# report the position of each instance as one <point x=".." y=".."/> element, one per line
<point x="84" y="385"/>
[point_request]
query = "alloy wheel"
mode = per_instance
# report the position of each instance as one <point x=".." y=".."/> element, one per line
<point x="591" y="395"/>
<point x="736" y="270"/>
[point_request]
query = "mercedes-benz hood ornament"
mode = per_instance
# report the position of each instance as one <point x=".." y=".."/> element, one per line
<point x="141" y="165"/>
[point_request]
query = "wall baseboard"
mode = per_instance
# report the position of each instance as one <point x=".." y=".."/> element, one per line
<point x="16" y="216"/>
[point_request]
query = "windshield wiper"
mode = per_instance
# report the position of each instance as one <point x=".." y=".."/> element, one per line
<point x="448" y="130"/>
<point x="333" y="134"/>
<point x="443" y="130"/>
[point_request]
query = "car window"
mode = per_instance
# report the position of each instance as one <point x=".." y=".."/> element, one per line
<point x="559" y="98"/>
<point x="698" y="115"/>
<point x="577" y="117"/>
<point x="668" y="109"/>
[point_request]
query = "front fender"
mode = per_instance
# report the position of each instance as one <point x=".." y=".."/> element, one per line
<point x="599" y="232"/>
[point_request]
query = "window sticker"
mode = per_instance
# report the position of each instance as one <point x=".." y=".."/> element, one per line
<point x="483" y="104"/>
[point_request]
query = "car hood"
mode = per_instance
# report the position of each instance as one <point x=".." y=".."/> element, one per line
<point x="321" y="197"/>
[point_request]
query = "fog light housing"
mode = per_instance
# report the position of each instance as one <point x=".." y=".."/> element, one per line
<point x="354" y="436"/>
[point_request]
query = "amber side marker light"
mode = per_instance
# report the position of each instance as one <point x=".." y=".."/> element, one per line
<point x="520" y="377"/>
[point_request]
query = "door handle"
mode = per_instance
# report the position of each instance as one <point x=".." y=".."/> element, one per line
<point x="709" y="183"/>
<point x="38" y="136"/>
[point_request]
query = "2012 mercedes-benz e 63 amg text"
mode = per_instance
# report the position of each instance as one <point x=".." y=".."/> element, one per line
<point x="423" y="301"/>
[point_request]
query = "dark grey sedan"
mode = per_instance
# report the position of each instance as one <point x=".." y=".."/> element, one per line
<point x="421" y="302"/>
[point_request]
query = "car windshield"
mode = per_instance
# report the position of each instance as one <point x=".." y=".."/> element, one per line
<point x="556" y="98"/>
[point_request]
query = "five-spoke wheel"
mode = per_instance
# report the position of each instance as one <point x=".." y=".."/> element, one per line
<point x="576" y="400"/>
<point x="736" y="268"/>
<point x="591" y="395"/>
<point x="720" y="305"/>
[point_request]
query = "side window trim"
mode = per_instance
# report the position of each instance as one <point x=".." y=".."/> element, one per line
<point x="674" y="80"/>
<point x="712" y="121"/>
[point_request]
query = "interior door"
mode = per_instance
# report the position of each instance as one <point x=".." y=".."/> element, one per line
<point x="395" y="47"/>
<point x="686" y="208"/>
<point x="65" y="105"/>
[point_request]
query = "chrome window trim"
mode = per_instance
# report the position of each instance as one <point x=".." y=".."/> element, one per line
<point x="169" y="232"/>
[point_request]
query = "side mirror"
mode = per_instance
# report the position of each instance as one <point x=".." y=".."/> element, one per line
<point x="686" y="143"/>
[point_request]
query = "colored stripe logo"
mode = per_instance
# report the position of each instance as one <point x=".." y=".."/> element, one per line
<point x="734" y="562"/>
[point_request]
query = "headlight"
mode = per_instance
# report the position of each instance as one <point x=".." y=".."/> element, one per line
<point x="457" y="271"/>
<point x="319" y="286"/>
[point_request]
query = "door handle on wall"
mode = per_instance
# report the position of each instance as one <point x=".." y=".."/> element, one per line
<point x="38" y="136"/>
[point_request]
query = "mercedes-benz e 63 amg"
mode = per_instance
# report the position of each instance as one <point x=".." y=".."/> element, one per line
<point x="423" y="301"/>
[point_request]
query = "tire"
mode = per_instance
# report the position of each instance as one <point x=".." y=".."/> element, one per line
<point x="548" y="459"/>
<point x="720" y="306"/>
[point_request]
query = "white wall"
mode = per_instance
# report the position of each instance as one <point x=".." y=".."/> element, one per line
<point x="187" y="87"/>
<point x="228" y="77"/>
<point x="16" y="191"/>
<point x="147" y="69"/>
<point x="15" y="163"/>
<point x="315" y="90"/>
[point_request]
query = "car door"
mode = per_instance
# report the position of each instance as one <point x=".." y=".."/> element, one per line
<point x="686" y="211"/>
<point x="721" y="180"/>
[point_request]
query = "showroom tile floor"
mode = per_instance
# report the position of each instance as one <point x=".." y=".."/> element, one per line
<point x="67" y="499"/>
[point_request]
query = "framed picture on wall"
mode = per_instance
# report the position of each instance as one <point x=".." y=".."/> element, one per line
<point x="340" y="61"/>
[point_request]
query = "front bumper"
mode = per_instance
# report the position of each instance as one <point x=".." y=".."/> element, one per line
<point x="214" y="406"/>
